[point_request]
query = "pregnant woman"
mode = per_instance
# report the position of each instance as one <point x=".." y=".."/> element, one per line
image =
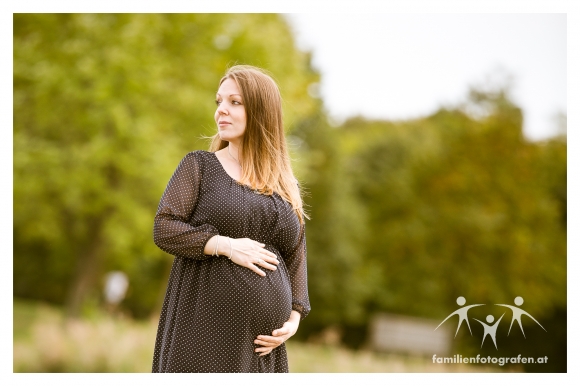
<point x="233" y="218"/>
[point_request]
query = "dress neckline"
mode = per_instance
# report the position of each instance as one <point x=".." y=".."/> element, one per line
<point x="232" y="178"/>
<point x="223" y="169"/>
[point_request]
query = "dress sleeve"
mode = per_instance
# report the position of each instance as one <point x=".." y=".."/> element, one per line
<point x="296" y="264"/>
<point x="172" y="231"/>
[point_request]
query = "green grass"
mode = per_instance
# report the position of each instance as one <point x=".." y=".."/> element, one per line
<point x="25" y="313"/>
<point x="45" y="342"/>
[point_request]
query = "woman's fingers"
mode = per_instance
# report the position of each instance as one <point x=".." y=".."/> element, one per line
<point x="254" y="255"/>
<point x="262" y="249"/>
<point x="264" y="351"/>
<point x="279" y="336"/>
<point x="267" y="340"/>
<point x="264" y="264"/>
<point x="270" y="259"/>
<point x="254" y="268"/>
<point x="266" y="343"/>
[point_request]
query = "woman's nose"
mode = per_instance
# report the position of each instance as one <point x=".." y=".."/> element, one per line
<point x="222" y="110"/>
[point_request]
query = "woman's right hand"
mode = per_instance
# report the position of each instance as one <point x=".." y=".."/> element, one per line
<point x="248" y="253"/>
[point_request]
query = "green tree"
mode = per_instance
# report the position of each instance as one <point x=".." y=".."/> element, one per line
<point x="105" y="106"/>
<point x="410" y="215"/>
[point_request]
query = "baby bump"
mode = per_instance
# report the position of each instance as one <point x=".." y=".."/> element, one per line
<point x="259" y="303"/>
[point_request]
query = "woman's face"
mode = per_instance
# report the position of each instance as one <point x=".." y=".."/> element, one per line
<point x="230" y="114"/>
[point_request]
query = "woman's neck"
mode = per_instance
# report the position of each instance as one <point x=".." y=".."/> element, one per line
<point x="234" y="152"/>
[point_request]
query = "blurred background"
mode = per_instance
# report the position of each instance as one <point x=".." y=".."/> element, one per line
<point x="411" y="209"/>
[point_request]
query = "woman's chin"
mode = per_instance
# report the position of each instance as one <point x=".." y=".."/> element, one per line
<point x="228" y="138"/>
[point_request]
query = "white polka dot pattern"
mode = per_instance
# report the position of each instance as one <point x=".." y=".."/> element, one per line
<point x="213" y="308"/>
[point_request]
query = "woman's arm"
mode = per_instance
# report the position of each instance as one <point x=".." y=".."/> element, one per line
<point x="295" y="260"/>
<point x="174" y="235"/>
<point x="171" y="231"/>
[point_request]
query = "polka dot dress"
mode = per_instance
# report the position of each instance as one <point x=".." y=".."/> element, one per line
<point x="213" y="308"/>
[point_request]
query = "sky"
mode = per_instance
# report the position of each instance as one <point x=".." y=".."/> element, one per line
<point x="400" y="66"/>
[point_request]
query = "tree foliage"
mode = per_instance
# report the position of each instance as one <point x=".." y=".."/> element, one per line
<point x="105" y="106"/>
<point x="410" y="215"/>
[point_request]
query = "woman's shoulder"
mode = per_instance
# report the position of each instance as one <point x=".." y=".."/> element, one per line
<point x="198" y="155"/>
<point x="196" y="160"/>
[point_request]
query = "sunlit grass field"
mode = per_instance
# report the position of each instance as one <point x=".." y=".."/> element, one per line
<point x="45" y="342"/>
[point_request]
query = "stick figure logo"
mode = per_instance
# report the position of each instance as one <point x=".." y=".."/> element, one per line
<point x="462" y="313"/>
<point x="490" y="329"/>
<point x="517" y="314"/>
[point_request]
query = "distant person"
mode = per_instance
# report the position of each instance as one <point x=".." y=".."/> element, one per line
<point x="462" y="313"/>
<point x="234" y="220"/>
<point x="116" y="284"/>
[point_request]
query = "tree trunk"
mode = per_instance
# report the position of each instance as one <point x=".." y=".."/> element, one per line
<point x="86" y="272"/>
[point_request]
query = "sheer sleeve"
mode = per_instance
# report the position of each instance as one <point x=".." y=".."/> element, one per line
<point x="172" y="231"/>
<point x="295" y="260"/>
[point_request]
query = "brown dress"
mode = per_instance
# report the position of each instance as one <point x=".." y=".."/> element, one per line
<point x="213" y="308"/>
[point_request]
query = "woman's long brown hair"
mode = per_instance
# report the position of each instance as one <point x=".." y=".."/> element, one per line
<point x="264" y="154"/>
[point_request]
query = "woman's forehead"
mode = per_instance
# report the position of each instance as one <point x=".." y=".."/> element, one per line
<point x="228" y="88"/>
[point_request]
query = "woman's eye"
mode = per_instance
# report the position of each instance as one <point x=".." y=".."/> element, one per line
<point x="217" y="102"/>
<point x="236" y="102"/>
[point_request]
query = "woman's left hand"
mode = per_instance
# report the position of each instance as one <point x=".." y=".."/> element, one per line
<point x="279" y="336"/>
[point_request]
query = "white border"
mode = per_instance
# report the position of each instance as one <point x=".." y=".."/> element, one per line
<point x="570" y="7"/>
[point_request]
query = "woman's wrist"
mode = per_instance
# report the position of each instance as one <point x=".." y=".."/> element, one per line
<point x="295" y="317"/>
<point x="223" y="247"/>
<point x="294" y="321"/>
<point x="219" y="245"/>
